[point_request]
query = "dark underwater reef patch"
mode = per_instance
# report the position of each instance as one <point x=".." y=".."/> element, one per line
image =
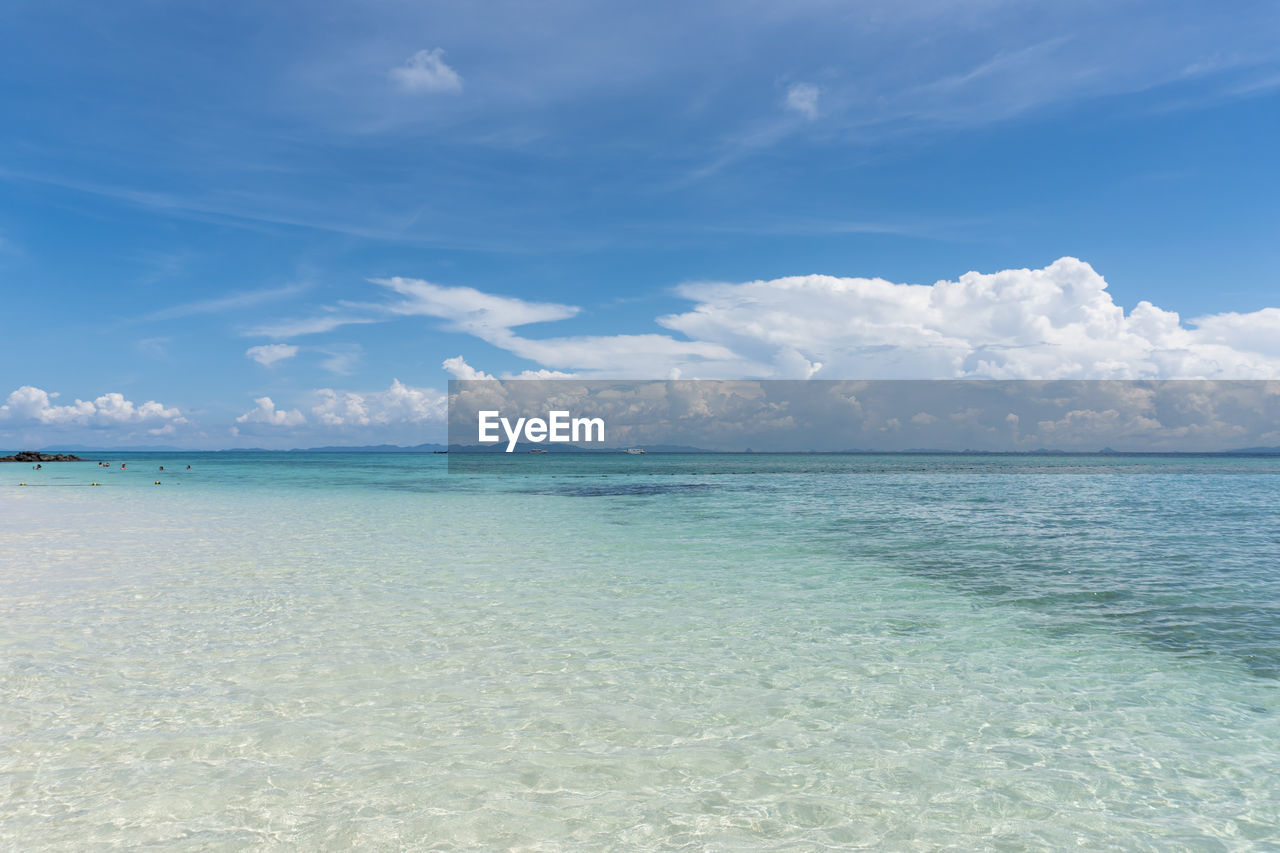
<point x="602" y="490"/>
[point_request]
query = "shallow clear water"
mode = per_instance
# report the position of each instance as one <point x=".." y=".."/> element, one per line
<point x="331" y="651"/>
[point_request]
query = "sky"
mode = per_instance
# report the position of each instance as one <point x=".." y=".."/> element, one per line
<point x="285" y="225"/>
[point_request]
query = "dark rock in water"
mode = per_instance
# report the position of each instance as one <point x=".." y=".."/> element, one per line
<point x="33" y="456"/>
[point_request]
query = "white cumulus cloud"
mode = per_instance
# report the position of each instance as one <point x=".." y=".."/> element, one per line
<point x="399" y="404"/>
<point x="1056" y="322"/>
<point x="31" y="405"/>
<point x="459" y="369"/>
<point x="426" y="72"/>
<point x="270" y="354"/>
<point x="265" y="412"/>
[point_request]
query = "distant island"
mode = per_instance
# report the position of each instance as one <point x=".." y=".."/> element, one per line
<point x="41" y="456"/>
<point x="34" y="456"/>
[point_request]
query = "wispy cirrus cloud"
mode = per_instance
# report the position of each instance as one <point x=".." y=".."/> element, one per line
<point x="342" y="360"/>
<point x="220" y="304"/>
<point x="318" y="324"/>
<point x="701" y="92"/>
<point x="154" y="347"/>
<point x="468" y="309"/>
<point x="802" y="98"/>
<point x="426" y="72"/>
<point x="271" y="354"/>
<point x="464" y="308"/>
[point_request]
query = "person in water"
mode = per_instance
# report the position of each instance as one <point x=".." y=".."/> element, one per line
<point x="121" y="466"/>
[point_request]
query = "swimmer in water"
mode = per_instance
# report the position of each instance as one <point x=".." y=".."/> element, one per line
<point x="121" y="466"/>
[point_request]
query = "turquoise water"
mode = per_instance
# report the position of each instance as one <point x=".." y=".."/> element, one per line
<point x="327" y="651"/>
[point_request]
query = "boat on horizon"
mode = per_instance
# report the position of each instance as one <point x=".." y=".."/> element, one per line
<point x="634" y="451"/>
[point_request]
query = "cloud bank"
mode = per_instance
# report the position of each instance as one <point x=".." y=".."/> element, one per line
<point x="399" y="404"/>
<point x="1058" y="322"/>
<point x="329" y="408"/>
<point x="31" y="406"/>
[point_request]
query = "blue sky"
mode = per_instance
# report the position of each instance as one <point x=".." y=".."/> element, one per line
<point x="200" y="200"/>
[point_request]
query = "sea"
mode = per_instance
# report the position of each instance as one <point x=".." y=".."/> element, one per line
<point x="329" y="651"/>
